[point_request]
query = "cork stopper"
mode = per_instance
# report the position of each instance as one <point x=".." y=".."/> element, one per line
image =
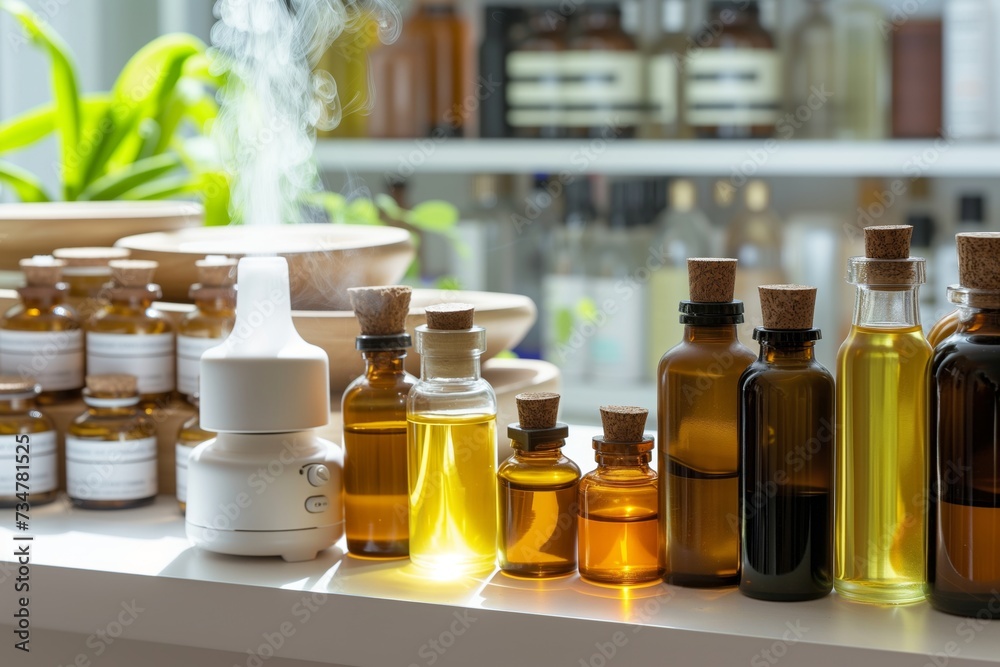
<point x="712" y="279"/>
<point x="979" y="260"/>
<point x="381" y="311"/>
<point x="113" y="383"/>
<point x="787" y="306"/>
<point x="216" y="271"/>
<point x="888" y="241"/>
<point x="42" y="270"/>
<point x="537" y="410"/>
<point x="91" y="256"/>
<point x="15" y="385"/>
<point x="623" y="423"/>
<point x="133" y="272"/>
<point x="450" y="316"/>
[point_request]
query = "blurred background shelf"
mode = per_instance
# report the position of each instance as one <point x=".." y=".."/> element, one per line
<point x="774" y="157"/>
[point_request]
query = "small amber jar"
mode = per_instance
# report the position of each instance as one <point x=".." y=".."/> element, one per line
<point x="28" y="461"/>
<point x="190" y="435"/>
<point x="209" y="323"/>
<point x="111" y="448"/>
<point x="88" y="275"/>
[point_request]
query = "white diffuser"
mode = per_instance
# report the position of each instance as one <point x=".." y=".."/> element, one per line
<point x="266" y="485"/>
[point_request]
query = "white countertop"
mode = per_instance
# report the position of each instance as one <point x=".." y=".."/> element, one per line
<point x="86" y="565"/>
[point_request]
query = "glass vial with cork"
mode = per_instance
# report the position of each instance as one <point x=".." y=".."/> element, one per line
<point x="452" y="449"/>
<point x="111" y="448"/>
<point x="786" y="455"/>
<point x="128" y="335"/>
<point x="41" y="338"/>
<point x="212" y="319"/>
<point x="87" y="273"/>
<point x="538" y="493"/>
<point x="29" y="466"/>
<point x="618" y="506"/>
<point x="697" y="399"/>
<point x="376" y="509"/>
<point x="963" y="568"/>
<point x="881" y="467"/>
<point x="189" y="436"/>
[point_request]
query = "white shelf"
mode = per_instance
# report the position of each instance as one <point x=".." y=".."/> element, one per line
<point x="87" y="564"/>
<point x="906" y="159"/>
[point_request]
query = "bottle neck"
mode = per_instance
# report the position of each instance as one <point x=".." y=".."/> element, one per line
<point x="14" y="406"/>
<point x="979" y="321"/>
<point x="607" y="461"/>
<point x="464" y="368"/>
<point x="132" y="298"/>
<point x="887" y="307"/>
<point x="42" y="298"/>
<point x="777" y="353"/>
<point x="218" y="306"/>
<point x="552" y="454"/>
<point x="700" y="333"/>
<point x="383" y="362"/>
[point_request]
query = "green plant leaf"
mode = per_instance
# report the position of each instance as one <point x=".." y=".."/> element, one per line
<point x="118" y="183"/>
<point x="23" y="183"/>
<point x="65" y="90"/>
<point x="212" y="187"/>
<point x="333" y="204"/>
<point x="433" y="215"/>
<point x="362" y="211"/>
<point x="36" y="124"/>
<point x="390" y="207"/>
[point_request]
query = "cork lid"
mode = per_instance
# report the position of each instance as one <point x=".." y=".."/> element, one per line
<point x="133" y="272"/>
<point x="788" y="307"/>
<point x="216" y="271"/>
<point x="887" y="260"/>
<point x="888" y="241"/>
<point x="537" y="409"/>
<point x="15" y="385"/>
<point x="118" y="384"/>
<point x="979" y="260"/>
<point x="91" y="256"/>
<point x="623" y="423"/>
<point x="450" y="316"/>
<point x="712" y="279"/>
<point x="381" y="311"/>
<point x="42" y="270"/>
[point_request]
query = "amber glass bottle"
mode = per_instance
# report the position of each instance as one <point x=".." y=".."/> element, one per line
<point x="786" y="455"/>
<point x="214" y="297"/>
<point x="190" y="435"/>
<point x="619" y="540"/>
<point x="87" y="273"/>
<point x="111" y="448"/>
<point x="29" y="466"/>
<point x="943" y="328"/>
<point x="129" y="336"/>
<point x="534" y="86"/>
<point x="538" y="489"/>
<point x="444" y="34"/>
<point x="963" y="564"/>
<point x="697" y="402"/>
<point x="41" y="338"/>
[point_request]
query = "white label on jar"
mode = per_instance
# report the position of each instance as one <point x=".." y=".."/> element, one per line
<point x="39" y="450"/>
<point x="53" y="358"/>
<point x="740" y="87"/>
<point x="149" y="357"/>
<point x="107" y="470"/>
<point x="663" y="87"/>
<point x="189" y="351"/>
<point x="183" y="456"/>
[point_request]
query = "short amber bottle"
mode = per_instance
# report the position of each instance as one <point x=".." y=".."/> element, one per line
<point x="538" y="495"/>
<point x="211" y="320"/>
<point x="189" y="436"/>
<point x="87" y="273"/>
<point x="111" y="448"/>
<point x="29" y="466"/>
<point x="618" y="507"/>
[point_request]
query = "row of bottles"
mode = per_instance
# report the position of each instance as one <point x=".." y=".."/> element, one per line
<point x="45" y="339"/>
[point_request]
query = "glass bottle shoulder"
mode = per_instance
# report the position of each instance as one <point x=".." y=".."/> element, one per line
<point x="56" y="318"/>
<point x="548" y="472"/>
<point x="967" y="354"/>
<point x="381" y="396"/>
<point x="199" y="324"/>
<point x="112" y="425"/>
<point x="456" y="398"/>
<point x="31" y="421"/>
<point x="711" y="357"/>
<point x="117" y="318"/>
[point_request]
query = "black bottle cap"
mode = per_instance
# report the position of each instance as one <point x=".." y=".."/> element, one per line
<point x="535" y="439"/>
<point x="972" y="208"/>
<point x="786" y="336"/>
<point x="701" y="313"/>
<point x="382" y="343"/>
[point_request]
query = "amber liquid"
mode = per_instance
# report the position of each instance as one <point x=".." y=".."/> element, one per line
<point x="538" y="529"/>
<point x="619" y="549"/>
<point x="18" y="422"/>
<point x="375" y="491"/>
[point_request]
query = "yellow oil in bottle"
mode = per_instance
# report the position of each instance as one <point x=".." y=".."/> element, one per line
<point x="881" y="447"/>
<point x="453" y="492"/>
<point x="375" y="502"/>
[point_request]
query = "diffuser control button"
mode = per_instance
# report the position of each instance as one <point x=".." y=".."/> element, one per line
<point x="316" y="504"/>
<point x="317" y="474"/>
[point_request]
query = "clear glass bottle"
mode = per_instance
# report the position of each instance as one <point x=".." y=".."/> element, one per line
<point x="697" y="403"/>
<point x="882" y="433"/>
<point x="811" y="76"/>
<point x="786" y="431"/>
<point x="42" y="338"/>
<point x="538" y="496"/>
<point x="29" y="466"/>
<point x="111" y="448"/>
<point x="189" y="436"/>
<point x="534" y="87"/>
<point x="128" y="335"/>
<point x="963" y="568"/>
<point x="452" y="458"/>
<point x="212" y="319"/>
<point x="619" y="540"/>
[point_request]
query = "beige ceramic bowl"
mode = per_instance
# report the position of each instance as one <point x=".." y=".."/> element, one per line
<point x="38" y="229"/>
<point x="323" y="260"/>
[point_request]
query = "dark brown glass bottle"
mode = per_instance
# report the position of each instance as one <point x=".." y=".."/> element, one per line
<point x="534" y="83"/>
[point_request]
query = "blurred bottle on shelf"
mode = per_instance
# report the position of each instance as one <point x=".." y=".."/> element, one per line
<point x="683" y="231"/>
<point x="970" y="81"/>
<point x="971" y="218"/>
<point x="754" y="239"/>
<point x="534" y="68"/>
<point x="916" y="79"/>
<point x="479" y="257"/>
<point x="565" y="288"/>
<point x="733" y="86"/>
<point x="399" y="73"/>
<point x="347" y="62"/>
<point x="921" y="215"/>
<point x="532" y="222"/>
<point x="664" y="73"/>
<point x="499" y="25"/>
<point x="863" y="76"/>
<point x="811" y="71"/>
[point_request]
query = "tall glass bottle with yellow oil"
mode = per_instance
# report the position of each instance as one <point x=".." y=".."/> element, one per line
<point x="882" y="427"/>
<point x="451" y="437"/>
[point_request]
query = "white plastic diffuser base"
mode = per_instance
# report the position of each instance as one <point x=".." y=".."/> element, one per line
<point x="266" y="485"/>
